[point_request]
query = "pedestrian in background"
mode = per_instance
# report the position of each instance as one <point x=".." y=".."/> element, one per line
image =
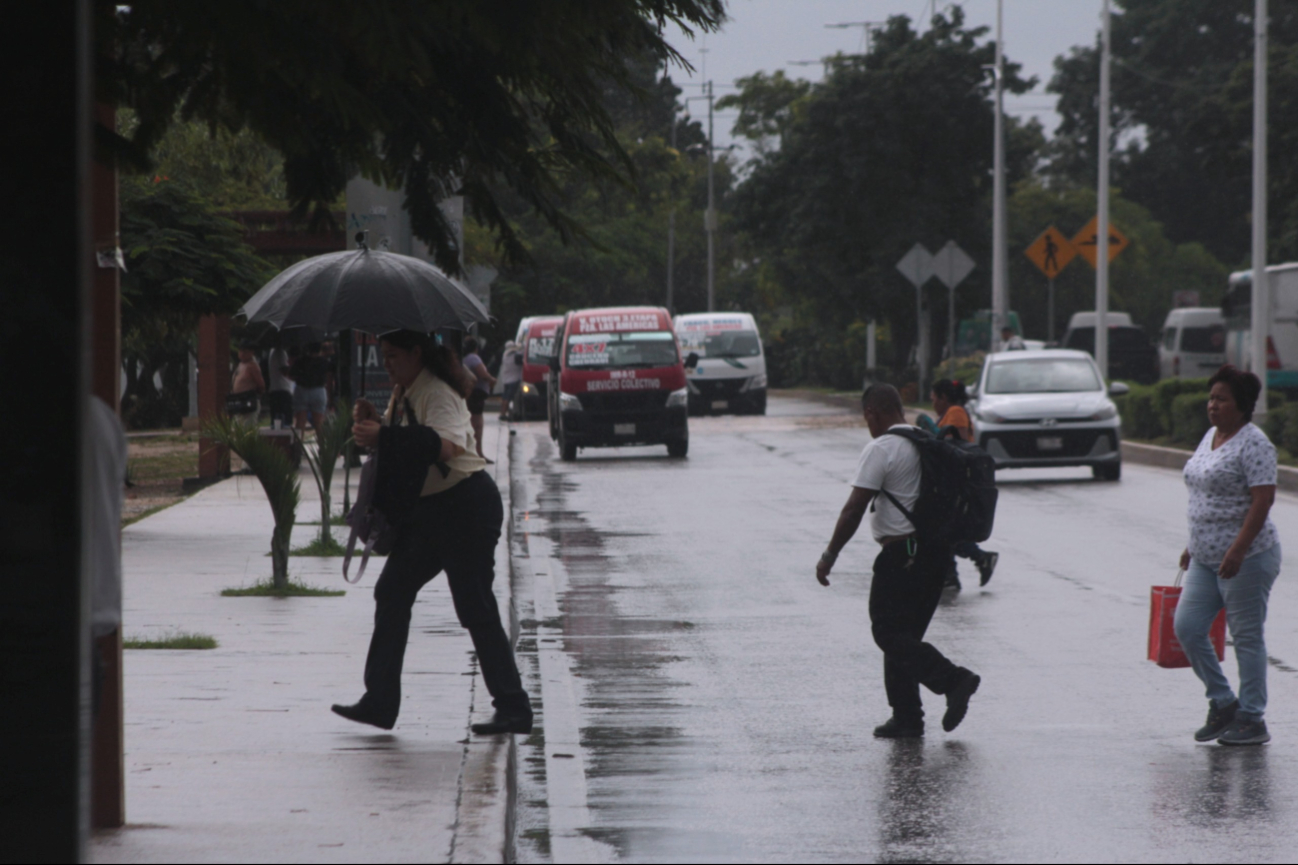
<point x="246" y="386"/>
<point x="1232" y="558"/>
<point x="280" y="398"/>
<point x="484" y="382"/>
<point x="1011" y="340"/>
<point x="908" y="573"/>
<point x="454" y="527"/>
<point x="511" y="375"/>
<point x="310" y="373"/>
<point x="949" y="399"/>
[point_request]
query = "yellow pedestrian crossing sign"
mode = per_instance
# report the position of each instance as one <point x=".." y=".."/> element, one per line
<point x="1051" y="252"/>
<point x="1087" y="241"/>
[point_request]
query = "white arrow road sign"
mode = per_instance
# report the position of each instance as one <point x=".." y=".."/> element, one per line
<point x="951" y="265"/>
<point x="916" y="265"/>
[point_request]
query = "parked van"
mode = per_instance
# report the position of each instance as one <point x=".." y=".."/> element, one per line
<point x="731" y="372"/>
<point x="1193" y="344"/>
<point x="1131" y="355"/>
<point x="537" y="344"/>
<point x="616" y="378"/>
<point x="1282" y="347"/>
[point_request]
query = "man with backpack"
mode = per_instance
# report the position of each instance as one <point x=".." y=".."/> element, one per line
<point x="924" y="491"/>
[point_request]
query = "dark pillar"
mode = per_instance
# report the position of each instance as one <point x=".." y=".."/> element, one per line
<point x="107" y="794"/>
<point x="213" y="388"/>
<point x="44" y="612"/>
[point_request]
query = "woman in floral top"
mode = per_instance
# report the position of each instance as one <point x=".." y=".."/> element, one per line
<point x="1232" y="559"/>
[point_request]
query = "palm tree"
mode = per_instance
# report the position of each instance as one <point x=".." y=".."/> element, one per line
<point x="331" y="438"/>
<point x="278" y="478"/>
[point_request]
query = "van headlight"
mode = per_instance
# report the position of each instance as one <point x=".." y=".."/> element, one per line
<point x="757" y="382"/>
<point x="1109" y="411"/>
<point x="527" y="388"/>
<point x="678" y="398"/>
<point x="569" y="402"/>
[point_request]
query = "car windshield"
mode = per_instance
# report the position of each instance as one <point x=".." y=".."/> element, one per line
<point x="621" y="350"/>
<point x="735" y="343"/>
<point x="1048" y="375"/>
<point x="539" y="349"/>
<point x="1120" y="338"/>
<point x="1209" y="340"/>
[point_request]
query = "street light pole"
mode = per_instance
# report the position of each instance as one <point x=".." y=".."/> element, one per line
<point x="671" y="233"/>
<point x="1261" y="323"/>
<point x="710" y="218"/>
<point x="1000" y="290"/>
<point x="1102" y="220"/>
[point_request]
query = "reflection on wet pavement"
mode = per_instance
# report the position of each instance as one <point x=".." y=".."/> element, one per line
<point x="701" y="699"/>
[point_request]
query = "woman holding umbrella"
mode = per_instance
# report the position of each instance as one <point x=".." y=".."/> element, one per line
<point x="454" y="527"/>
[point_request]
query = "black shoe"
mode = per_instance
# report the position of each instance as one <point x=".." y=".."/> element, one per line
<point x="952" y="580"/>
<point x="900" y="728"/>
<point x="362" y="714"/>
<point x="957" y="699"/>
<point x="501" y="723"/>
<point x="1245" y="730"/>
<point x="986" y="565"/>
<point x="1218" y="720"/>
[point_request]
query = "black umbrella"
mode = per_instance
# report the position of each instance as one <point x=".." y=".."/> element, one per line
<point x="364" y="289"/>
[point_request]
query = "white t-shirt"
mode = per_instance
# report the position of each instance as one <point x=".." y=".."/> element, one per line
<point x="278" y="360"/>
<point x="438" y="406"/>
<point x="1220" y="483"/>
<point x="511" y="371"/>
<point x="890" y="463"/>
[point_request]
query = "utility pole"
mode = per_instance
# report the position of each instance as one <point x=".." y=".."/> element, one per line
<point x="1000" y="289"/>
<point x="1261" y="324"/>
<point x="671" y="233"/>
<point x="710" y="218"/>
<point x="1102" y="223"/>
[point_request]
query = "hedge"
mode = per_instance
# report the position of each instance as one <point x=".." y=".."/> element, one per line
<point x="1166" y="392"/>
<point x="1190" y="418"/>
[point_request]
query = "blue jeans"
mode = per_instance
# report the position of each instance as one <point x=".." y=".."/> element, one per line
<point x="1245" y="598"/>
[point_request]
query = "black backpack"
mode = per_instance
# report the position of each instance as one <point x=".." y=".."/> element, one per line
<point x="957" y="490"/>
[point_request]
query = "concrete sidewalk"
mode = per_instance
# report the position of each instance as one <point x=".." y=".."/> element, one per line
<point x="232" y="754"/>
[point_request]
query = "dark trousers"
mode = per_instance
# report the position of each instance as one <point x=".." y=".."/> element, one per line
<point x="455" y="531"/>
<point x="903" y="597"/>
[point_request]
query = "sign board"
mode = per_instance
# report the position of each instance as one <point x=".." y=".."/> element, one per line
<point x="1185" y="297"/>
<point x="1087" y="241"/>
<point x="1051" y="252"/>
<point x="916" y="265"/>
<point x="952" y="264"/>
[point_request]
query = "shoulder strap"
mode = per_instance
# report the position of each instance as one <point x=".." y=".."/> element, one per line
<point x="912" y="435"/>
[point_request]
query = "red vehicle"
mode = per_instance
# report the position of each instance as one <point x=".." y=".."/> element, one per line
<point x="537" y="345"/>
<point x="616" y="378"/>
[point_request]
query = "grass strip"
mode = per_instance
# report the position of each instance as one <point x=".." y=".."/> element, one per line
<point x="177" y="640"/>
<point x="294" y="589"/>
<point x="335" y="520"/>
<point x="148" y="513"/>
<point x="318" y="548"/>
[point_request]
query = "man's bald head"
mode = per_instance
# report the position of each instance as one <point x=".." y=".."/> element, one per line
<point x="882" y="399"/>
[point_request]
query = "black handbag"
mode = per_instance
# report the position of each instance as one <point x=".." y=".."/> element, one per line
<point x="243" y="402"/>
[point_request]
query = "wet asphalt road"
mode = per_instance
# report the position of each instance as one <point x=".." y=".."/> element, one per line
<point x="702" y="698"/>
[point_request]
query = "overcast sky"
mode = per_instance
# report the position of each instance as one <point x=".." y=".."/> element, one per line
<point x="767" y="34"/>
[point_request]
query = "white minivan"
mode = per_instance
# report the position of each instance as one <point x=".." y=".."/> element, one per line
<point x="1193" y="344"/>
<point x="731" y="372"/>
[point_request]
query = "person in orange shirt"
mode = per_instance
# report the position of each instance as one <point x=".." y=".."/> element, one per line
<point x="949" y="398"/>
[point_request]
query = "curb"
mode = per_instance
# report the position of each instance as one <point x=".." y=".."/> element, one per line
<point x="1176" y="458"/>
<point x="485" y="816"/>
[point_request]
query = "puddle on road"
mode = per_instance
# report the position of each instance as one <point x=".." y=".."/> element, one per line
<point x="620" y="663"/>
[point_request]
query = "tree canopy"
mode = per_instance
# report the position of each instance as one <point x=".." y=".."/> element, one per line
<point x="445" y="98"/>
<point x="1182" y="113"/>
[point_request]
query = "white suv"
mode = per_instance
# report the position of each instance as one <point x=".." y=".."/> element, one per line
<point x="1048" y="408"/>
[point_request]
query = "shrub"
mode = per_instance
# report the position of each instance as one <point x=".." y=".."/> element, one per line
<point x="1189" y="418"/>
<point x="1277" y="422"/>
<point x="1167" y="390"/>
<point x="1289" y="438"/>
<point x="1139" y="420"/>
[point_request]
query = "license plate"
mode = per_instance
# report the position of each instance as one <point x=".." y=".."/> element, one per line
<point x="1051" y="443"/>
<point x="719" y="404"/>
<point x="623" y="429"/>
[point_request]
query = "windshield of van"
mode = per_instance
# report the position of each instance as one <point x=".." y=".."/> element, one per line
<point x="621" y="350"/>
<point x="734" y="343"/>
<point x="1208" y="340"/>
<point x="539" y="349"/>
<point x="1048" y="375"/>
<point x="1120" y="338"/>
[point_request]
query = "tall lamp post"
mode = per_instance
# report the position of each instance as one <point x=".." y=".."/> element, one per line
<point x="1000" y="288"/>
<point x="1102" y="219"/>
<point x="1261" y="319"/>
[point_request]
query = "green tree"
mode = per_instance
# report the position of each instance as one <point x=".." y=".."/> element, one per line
<point x="892" y="148"/>
<point x="183" y="260"/>
<point x="1142" y="279"/>
<point x="1182" y="107"/>
<point x="454" y="97"/>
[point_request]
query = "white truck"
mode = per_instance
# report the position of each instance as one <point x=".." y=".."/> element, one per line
<point x="1282" y="345"/>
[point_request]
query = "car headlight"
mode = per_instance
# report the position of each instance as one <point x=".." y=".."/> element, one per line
<point x="527" y="388"/>
<point x="678" y="398"/>
<point x="757" y="382"/>
<point x="1109" y="411"/>
<point x="569" y="402"/>
<point x="990" y="416"/>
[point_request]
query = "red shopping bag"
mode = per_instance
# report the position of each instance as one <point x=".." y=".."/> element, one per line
<point x="1164" y="648"/>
